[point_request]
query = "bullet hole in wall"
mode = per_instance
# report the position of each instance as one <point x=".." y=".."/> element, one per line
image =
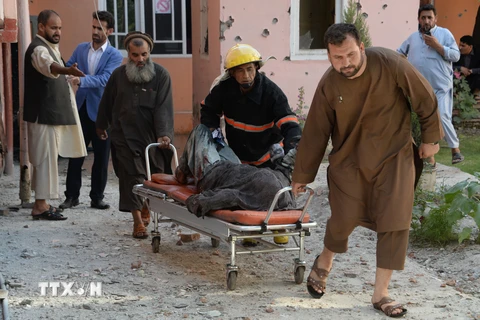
<point x="238" y="39"/>
<point x="274" y="21"/>
<point x="265" y="33"/>
<point x="384" y="6"/>
<point x="224" y="25"/>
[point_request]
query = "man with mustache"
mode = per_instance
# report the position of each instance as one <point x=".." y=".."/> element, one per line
<point x="257" y="115"/>
<point x="432" y="49"/>
<point x="260" y="126"/>
<point x="50" y="112"/>
<point x="137" y="108"/>
<point x="363" y="104"/>
<point x="97" y="59"/>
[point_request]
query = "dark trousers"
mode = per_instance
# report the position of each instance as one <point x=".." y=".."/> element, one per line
<point x="101" y="154"/>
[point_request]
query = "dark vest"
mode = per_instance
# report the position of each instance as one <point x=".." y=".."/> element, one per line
<point x="46" y="99"/>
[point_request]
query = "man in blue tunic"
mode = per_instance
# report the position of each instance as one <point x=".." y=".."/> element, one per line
<point x="432" y="49"/>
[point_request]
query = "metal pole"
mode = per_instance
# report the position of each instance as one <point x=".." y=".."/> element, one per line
<point x="3" y="139"/>
<point x="7" y="85"/>
<point x="24" y="39"/>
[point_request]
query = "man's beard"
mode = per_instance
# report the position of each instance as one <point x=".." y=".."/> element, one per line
<point x="356" y="69"/>
<point x="140" y="75"/>
<point x="50" y="39"/>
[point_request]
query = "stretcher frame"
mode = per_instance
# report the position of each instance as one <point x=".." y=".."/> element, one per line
<point x="167" y="210"/>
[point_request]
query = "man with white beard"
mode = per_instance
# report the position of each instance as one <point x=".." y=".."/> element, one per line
<point x="137" y="107"/>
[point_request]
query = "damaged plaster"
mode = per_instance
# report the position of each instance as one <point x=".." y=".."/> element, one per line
<point x="225" y="25"/>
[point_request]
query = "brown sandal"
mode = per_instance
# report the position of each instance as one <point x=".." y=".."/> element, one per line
<point x="145" y="213"/>
<point x="322" y="283"/>
<point x="389" y="309"/>
<point x="140" y="232"/>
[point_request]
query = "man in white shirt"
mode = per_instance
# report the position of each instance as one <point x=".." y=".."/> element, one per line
<point x="50" y="112"/>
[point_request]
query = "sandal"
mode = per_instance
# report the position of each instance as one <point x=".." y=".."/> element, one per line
<point x="51" y="214"/>
<point x="145" y="212"/>
<point x="322" y="283"/>
<point x="389" y="309"/>
<point x="140" y="232"/>
<point x="457" y="157"/>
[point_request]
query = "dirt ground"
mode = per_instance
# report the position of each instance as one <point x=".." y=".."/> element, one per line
<point x="188" y="281"/>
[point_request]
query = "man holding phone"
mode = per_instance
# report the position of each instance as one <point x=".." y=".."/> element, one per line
<point x="431" y="50"/>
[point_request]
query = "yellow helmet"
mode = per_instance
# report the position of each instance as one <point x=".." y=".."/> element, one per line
<point x="240" y="54"/>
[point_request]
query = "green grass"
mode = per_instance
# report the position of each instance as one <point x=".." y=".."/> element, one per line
<point x="470" y="148"/>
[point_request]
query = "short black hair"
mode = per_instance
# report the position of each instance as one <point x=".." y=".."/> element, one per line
<point x="45" y="15"/>
<point x="337" y="33"/>
<point x="106" y="17"/>
<point x="427" y="7"/>
<point x="467" y="40"/>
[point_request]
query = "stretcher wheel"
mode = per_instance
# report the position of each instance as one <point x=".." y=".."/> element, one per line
<point x="299" y="274"/>
<point x="156" y="244"/>
<point x="232" y="280"/>
<point x="215" y="242"/>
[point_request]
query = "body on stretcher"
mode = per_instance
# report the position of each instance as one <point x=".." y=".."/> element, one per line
<point x="166" y="199"/>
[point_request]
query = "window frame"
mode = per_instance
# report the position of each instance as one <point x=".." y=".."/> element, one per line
<point x="307" y="54"/>
<point x="140" y="26"/>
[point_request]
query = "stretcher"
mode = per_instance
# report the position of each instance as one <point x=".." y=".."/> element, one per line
<point x="166" y="200"/>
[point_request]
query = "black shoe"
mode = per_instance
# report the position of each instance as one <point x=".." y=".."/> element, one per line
<point x="99" y="205"/>
<point x="69" y="203"/>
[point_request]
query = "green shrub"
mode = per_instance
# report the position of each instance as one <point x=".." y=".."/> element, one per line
<point x="435" y="214"/>
<point x="463" y="99"/>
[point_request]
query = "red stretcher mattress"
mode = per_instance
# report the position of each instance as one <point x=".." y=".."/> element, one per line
<point x="167" y="183"/>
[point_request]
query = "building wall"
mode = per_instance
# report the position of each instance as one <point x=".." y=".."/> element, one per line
<point x="206" y="67"/>
<point x="389" y="27"/>
<point x="457" y="16"/>
<point x="76" y="28"/>
<point x="8" y="22"/>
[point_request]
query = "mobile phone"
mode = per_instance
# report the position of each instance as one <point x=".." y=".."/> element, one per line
<point x="428" y="33"/>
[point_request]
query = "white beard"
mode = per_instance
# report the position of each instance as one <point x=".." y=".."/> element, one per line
<point x="140" y="75"/>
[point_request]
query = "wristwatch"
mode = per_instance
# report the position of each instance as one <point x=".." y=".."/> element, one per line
<point x="433" y="143"/>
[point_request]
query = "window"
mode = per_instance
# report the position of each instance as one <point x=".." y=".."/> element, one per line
<point x="309" y="21"/>
<point x="167" y="21"/>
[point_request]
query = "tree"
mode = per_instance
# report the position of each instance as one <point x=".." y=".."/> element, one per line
<point x="353" y="14"/>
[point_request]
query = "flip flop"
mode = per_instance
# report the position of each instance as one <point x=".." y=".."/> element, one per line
<point x="322" y="283"/>
<point x="51" y="214"/>
<point x="140" y="232"/>
<point x="389" y="309"/>
<point x="457" y="157"/>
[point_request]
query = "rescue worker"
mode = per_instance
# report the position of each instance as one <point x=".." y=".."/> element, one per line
<point x="260" y="126"/>
<point x="258" y="118"/>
